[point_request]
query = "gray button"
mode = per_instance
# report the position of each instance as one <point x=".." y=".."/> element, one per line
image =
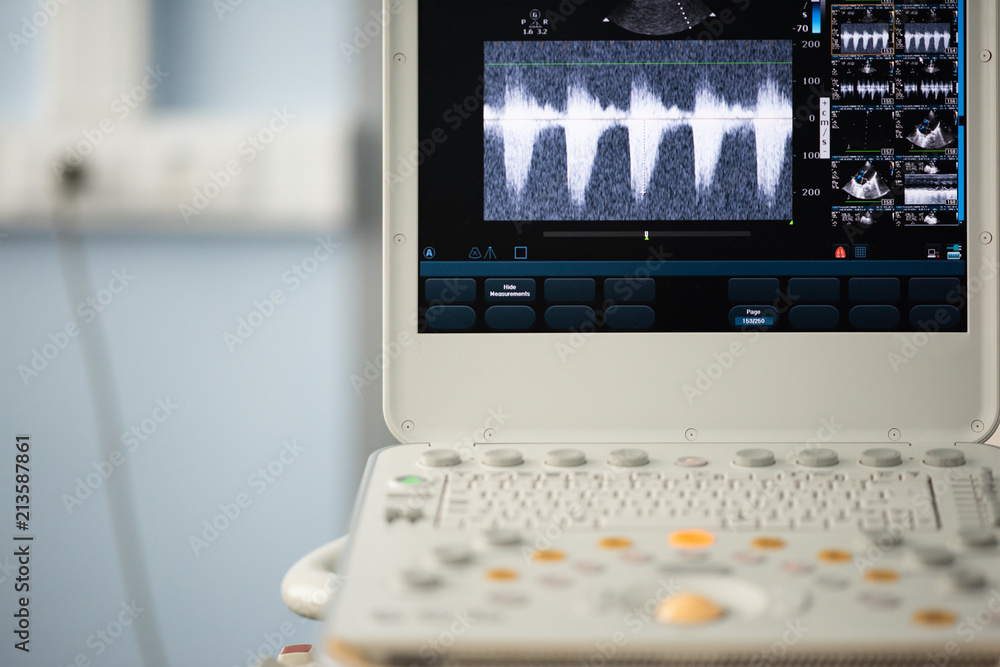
<point x="880" y="599"/>
<point x="565" y="458"/>
<point x="453" y="554"/>
<point x="502" y="537"/>
<point x="696" y="568"/>
<point x="509" y="598"/>
<point x="881" y="457"/>
<point x="884" y="539"/>
<point x="933" y="556"/>
<point x="833" y="582"/>
<point x="963" y="579"/>
<point x="945" y="458"/>
<point x="629" y="458"/>
<point x="818" y="458"/>
<point x="754" y="458"/>
<point x="978" y="539"/>
<point x="502" y="458"/>
<point x="416" y="578"/>
<point x="440" y="458"/>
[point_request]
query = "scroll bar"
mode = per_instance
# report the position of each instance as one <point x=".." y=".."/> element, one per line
<point x="824" y="128"/>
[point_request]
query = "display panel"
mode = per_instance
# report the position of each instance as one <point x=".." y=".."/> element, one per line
<point x="657" y="166"/>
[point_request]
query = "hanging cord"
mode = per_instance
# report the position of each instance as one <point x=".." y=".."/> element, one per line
<point x="107" y="415"/>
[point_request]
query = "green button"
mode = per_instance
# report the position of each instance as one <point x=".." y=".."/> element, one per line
<point x="411" y="479"/>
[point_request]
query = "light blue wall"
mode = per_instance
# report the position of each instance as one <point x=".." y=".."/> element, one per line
<point x="164" y="335"/>
<point x="258" y="55"/>
<point x="18" y="60"/>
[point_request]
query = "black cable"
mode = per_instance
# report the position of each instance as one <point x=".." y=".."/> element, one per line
<point x="107" y="414"/>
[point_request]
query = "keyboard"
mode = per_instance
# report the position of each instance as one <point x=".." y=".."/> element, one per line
<point x="615" y="551"/>
<point x="684" y="492"/>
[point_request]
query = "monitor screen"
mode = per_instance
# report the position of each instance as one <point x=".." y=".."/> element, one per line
<point x="689" y="166"/>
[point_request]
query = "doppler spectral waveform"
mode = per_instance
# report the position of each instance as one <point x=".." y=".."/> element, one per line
<point x="646" y="130"/>
<point x="867" y="89"/>
<point x="929" y="90"/>
<point x="927" y="37"/>
<point x="864" y="37"/>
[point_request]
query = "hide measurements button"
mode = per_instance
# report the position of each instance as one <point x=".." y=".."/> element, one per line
<point x="510" y="290"/>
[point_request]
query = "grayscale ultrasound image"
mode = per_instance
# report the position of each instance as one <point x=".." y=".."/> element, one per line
<point x="663" y="130"/>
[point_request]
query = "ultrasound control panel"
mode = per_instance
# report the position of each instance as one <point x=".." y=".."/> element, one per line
<point x="789" y="165"/>
<point x="868" y="549"/>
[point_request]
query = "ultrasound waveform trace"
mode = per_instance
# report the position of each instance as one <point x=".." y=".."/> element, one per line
<point x="659" y="17"/>
<point x="931" y="189"/>
<point x="867" y="90"/>
<point x="864" y="37"/>
<point x="637" y="130"/>
<point x="927" y="37"/>
<point x="928" y="90"/>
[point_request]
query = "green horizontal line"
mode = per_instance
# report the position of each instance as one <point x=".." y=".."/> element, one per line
<point x="610" y="64"/>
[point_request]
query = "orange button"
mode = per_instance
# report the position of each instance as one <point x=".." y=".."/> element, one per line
<point x="882" y="576"/>
<point x="834" y="556"/>
<point x="935" y="617"/>
<point x="548" y="556"/>
<point x="768" y="543"/>
<point x="615" y="543"/>
<point x="691" y="539"/>
<point x="501" y="574"/>
<point x="688" y="609"/>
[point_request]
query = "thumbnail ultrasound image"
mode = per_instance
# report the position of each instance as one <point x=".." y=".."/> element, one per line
<point x="862" y="31"/>
<point x="864" y="82"/>
<point x="864" y="219"/>
<point x="864" y="181"/>
<point x="927" y="131"/>
<point x="666" y="130"/>
<point x="931" y="189"/>
<point x="926" y="81"/>
<point x="935" y="218"/>
<point x="659" y="17"/>
<point x="931" y="31"/>
<point x="862" y="131"/>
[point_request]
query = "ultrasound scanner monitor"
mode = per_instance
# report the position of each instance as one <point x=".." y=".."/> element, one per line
<point x="646" y="260"/>
<point x="643" y="221"/>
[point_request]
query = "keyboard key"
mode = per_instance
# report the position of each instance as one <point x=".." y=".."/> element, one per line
<point x="814" y="290"/>
<point x="507" y="318"/>
<point x="510" y="290"/>
<point x="630" y="290"/>
<point x="935" y="318"/>
<point x="450" y="290"/>
<point x="629" y="318"/>
<point x="753" y="290"/>
<point x="814" y="318"/>
<point x="874" y="318"/>
<point x="450" y="318"/>
<point x="570" y="290"/>
<point x="565" y="318"/>
<point x="873" y="290"/>
<point x="934" y="289"/>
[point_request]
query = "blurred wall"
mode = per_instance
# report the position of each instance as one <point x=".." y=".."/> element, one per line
<point x="197" y="420"/>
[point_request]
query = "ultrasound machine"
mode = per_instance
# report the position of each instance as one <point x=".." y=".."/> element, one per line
<point x="691" y="315"/>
